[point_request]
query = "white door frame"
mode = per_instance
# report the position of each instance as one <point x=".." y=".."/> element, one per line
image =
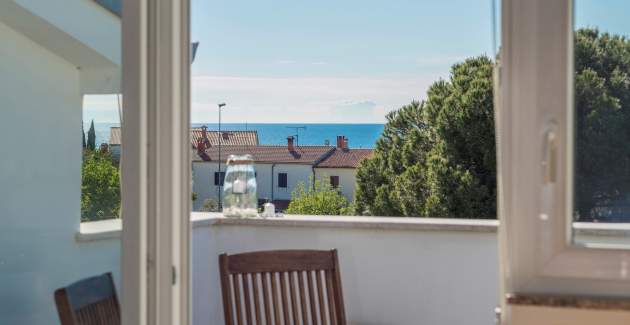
<point x="155" y="165"/>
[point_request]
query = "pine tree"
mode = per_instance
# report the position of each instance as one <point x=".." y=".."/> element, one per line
<point x="436" y="158"/>
<point x="83" y="135"/>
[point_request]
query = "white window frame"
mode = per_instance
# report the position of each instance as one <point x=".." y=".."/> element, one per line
<point x="534" y="116"/>
<point x="155" y="165"/>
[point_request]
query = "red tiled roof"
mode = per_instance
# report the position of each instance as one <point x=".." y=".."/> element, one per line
<point x="269" y="154"/>
<point x="246" y="138"/>
<point x="229" y="138"/>
<point x="345" y="158"/>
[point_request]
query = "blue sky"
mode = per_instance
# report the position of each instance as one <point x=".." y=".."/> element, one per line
<point x="348" y="61"/>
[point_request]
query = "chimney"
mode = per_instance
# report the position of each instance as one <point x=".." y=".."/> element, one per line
<point x="201" y="146"/>
<point x="204" y="132"/>
<point x="290" y="143"/>
<point x="340" y="141"/>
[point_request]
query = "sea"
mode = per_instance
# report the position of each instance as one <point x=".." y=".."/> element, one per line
<point x="359" y="135"/>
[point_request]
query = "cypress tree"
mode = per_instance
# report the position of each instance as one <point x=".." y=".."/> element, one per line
<point x="83" y="135"/>
<point x="91" y="138"/>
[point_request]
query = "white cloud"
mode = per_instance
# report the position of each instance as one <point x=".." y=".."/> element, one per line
<point x="314" y="100"/>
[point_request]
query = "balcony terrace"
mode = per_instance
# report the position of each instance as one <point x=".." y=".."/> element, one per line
<point x="394" y="270"/>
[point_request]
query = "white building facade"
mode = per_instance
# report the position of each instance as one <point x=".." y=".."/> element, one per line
<point x="280" y="169"/>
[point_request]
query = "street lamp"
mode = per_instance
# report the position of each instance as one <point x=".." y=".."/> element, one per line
<point x="220" y="203"/>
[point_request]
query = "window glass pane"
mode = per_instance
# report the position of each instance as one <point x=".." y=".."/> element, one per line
<point x="362" y="108"/>
<point x="60" y="67"/>
<point x="372" y="92"/>
<point x="601" y="114"/>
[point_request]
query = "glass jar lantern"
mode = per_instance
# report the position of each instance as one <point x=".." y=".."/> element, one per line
<point x="240" y="199"/>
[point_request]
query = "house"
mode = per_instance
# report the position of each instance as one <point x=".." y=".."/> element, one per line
<point x="279" y="168"/>
<point x="340" y="167"/>
<point x="210" y="138"/>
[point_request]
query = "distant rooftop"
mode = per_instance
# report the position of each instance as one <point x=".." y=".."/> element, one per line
<point x="345" y="158"/>
<point x="309" y="155"/>
<point x="243" y="138"/>
<point x="239" y="138"/>
<point x="318" y="156"/>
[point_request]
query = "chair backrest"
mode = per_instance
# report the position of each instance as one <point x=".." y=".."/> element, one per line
<point x="282" y="287"/>
<point x="91" y="301"/>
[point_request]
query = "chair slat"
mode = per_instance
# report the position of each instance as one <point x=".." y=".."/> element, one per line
<point x="274" y="298"/>
<point x="266" y="293"/>
<point x="255" y="282"/>
<point x="236" y="287"/>
<point x="273" y="275"/>
<point x="294" y="307"/>
<point x="283" y="295"/>
<point x="302" y="298"/>
<point x="226" y="291"/>
<point x="331" y="297"/>
<point x="320" y="296"/>
<point x="247" y="299"/>
<point x="337" y="288"/>
<point x="311" y="297"/>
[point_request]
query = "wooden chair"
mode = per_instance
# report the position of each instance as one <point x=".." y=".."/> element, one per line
<point x="282" y="287"/>
<point x="91" y="301"/>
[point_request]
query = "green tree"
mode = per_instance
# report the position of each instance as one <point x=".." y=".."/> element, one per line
<point x="318" y="199"/>
<point x="100" y="189"/>
<point x="210" y="205"/>
<point x="602" y="99"/>
<point x="436" y="158"/>
<point x="91" y="137"/>
<point x="83" y="136"/>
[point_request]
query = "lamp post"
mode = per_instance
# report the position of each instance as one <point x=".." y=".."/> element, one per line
<point x="220" y="203"/>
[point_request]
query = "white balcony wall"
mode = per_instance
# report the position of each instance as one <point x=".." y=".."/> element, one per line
<point x="40" y="177"/>
<point x="397" y="274"/>
<point x="395" y="271"/>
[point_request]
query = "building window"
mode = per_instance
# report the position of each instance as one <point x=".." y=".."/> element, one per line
<point x="218" y="180"/>
<point x="282" y="180"/>
<point x="334" y="181"/>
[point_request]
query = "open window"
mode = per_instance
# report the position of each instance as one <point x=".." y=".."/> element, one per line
<point x="556" y="120"/>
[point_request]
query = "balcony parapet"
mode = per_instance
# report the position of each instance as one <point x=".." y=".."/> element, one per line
<point x="111" y="229"/>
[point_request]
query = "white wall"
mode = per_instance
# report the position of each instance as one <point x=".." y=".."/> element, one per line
<point x="347" y="179"/>
<point x="390" y="276"/>
<point x="203" y="180"/>
<point x="40" y="178"/>
<point x="295" y="175"/>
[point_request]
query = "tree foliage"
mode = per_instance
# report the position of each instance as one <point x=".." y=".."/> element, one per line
<point x="210" y="205"/>
<point x="100" y="189"/>
<point x="318" y="199"/>
<point x="91" y="137"/>
<point x="602" y="116"/>
<point x="83" y="136"/>
<point x="436" y="158"/>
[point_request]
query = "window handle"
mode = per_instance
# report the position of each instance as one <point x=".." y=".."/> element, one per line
<point x="550" y="154"/>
